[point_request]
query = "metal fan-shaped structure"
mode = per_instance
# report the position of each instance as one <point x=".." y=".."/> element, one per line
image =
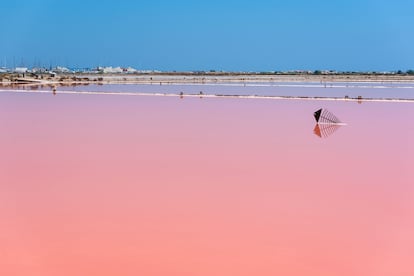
<point x="324" y="116"/>
<point x="326" y="123"/>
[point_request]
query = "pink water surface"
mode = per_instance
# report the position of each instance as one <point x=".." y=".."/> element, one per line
<point x="134" y="185"/>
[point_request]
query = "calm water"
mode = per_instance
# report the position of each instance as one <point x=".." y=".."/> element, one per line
<point x="300" y="89"/>
<point x="125" y="185"/>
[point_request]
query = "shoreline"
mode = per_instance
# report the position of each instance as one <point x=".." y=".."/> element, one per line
<point x="7" y="79"/>
<point x="217" y="96"/>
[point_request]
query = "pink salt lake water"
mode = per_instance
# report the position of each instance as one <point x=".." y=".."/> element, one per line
<point x="145" y="185"/>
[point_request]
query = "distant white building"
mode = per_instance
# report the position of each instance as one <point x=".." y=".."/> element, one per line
<point x="110" y="70"/>
<point x="148" y="71"/>
<point x="21" y="70"/>
<point x="39" y="70"/>
<point x="60" y="69"/>
<point x="130" y="70"/>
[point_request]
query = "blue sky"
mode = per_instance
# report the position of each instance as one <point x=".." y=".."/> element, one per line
<point x="239" y="35"/>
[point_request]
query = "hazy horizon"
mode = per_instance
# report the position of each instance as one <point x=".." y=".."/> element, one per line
<point x="52" y="66"/>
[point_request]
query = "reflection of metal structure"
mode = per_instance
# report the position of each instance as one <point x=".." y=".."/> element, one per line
<point x="326" y="123"/>
<point x="325" y="130"/>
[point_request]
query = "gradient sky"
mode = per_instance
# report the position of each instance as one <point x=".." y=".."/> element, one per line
<point x="202" y="35"/>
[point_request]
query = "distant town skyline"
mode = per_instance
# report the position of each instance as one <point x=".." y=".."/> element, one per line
<point x="212" y="35"/>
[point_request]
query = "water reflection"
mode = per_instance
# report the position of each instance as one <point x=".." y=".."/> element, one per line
<point x="343" y="91"/>
<point x="37" y="86"/>
<point x="114" y="185"/>
<point x="325" y="130"/>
